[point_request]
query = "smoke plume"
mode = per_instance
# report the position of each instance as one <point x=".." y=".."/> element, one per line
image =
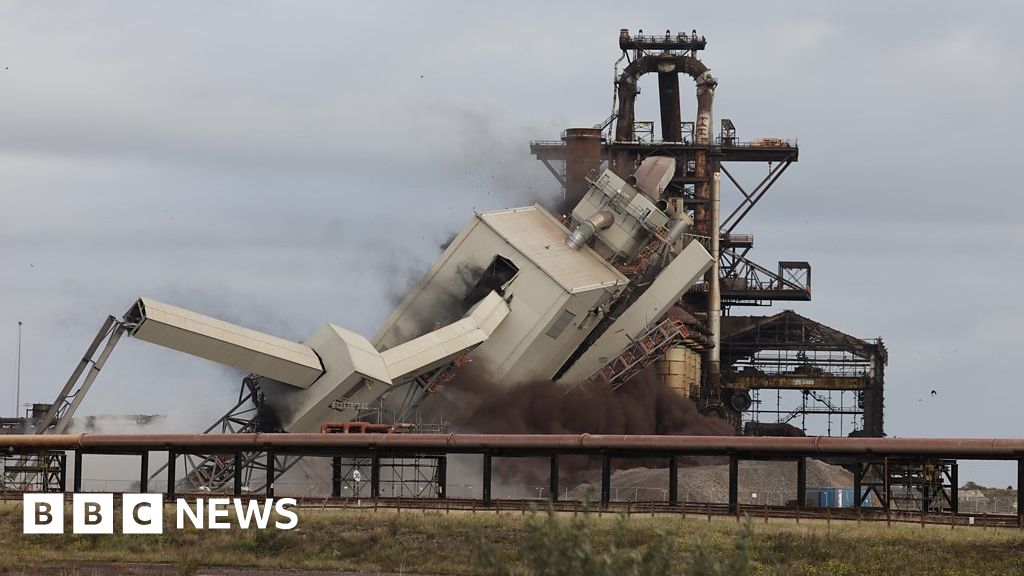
<point x="644" y="405"/>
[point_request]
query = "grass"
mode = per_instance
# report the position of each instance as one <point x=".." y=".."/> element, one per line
<point x="510" y="543"/>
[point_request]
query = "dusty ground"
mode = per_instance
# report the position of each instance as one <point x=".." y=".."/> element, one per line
<point x="124" y="569"/>
<point x="760" y="482"/>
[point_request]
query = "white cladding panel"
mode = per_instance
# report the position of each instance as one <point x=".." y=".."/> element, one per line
<point x="552" y="279"/>
<point x="439" y="347"/>
<point x="358" y="374"/>
<point x="541" y="238"/>
<point x="350" y="362"/>
<point x="226" y="343"/>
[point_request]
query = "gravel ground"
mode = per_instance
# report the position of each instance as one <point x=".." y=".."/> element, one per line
<point x="760" y="482"/>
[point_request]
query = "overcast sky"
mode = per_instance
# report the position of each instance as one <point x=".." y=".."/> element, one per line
<point x="284" y="164"/>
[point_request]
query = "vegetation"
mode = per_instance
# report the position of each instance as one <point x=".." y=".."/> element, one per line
<point x="540" y="544"/>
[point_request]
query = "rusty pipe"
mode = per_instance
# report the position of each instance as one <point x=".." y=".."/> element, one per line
<point x="518" y="444"/>
<point x="626" y="88"/>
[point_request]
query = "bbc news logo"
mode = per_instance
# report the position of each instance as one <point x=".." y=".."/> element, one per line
<point x="144" y="513"/>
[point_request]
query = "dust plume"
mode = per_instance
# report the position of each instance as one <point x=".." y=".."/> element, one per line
<point x="644" y="405"/>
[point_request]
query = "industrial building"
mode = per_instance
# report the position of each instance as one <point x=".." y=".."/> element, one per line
<point x="642" y="266"/>
<point x="783" y="374"/>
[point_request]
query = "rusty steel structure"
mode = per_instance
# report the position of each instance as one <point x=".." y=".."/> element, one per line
<point x="844" y="367"/>
<point x="904" y="474"/>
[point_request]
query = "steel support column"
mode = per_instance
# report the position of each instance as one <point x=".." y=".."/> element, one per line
<point x="78" y="471"/>
<point x="144" y="472"/>
<point x="1020" y="493"/>
<point x="673" y="480"/>
<point x="375" y="476"/>
<point x="237" y="473"/>
<point x="486" y="488"/>
<point x="954" y="488"/>
<point x="926" y="489"/>
<point x="858" y="496"/>
<point x="171" y="461"/>
<point x="336" y="477"/>
<point x="63" y="475"/>
<point x="606" y="479"/>
<point x="442" y="477"/>
<point x="270" y="474"/>
<point x="553" y="478"/>
<point x="734" y="484"/>
<point x="886" y="489"/>
<point x="801" y="482"/>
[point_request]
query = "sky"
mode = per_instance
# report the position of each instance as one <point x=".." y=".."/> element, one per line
<point x="283" y="165"/>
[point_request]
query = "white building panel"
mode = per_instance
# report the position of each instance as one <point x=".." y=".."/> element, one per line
<point x="223" y="342"/>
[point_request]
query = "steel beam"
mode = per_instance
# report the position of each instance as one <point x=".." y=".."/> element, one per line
<point x="858" y="496"/>
<point x="336" y="477"/>
<point x="63" y="475"/>
<point x="442" y="477"/>
<point x="954" y="488"/>
<point x="171" y="461"/>
<point x="144" y="472"/>
<point x="53" y="413"/>
<point x="237" y="473"/>
<point x="64" y="419"/>
<point x="486" y="485"/>
<point x="270" y="474"/>
<point x="1020" y="493"/>
<point x="744" y="208"/>
<point x="801" y="481"/>
<point x="78" y="471"/>
<point x="375" y="476"/>
<point x="673" y="480"/>
<point x="606" y="479"/>
<point x="734" y="484"/>
<point x="553" y="478"/>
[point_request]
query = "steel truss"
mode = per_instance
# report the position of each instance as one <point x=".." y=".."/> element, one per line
<point x="58" y="417"/>
<point x="43" y="471"/>
<point x="788" y="369"/>
<point x="416" y="477"/>
<point x="910" y="484"/>
<point x="254" y="470"/>
<point x="221" y="472"/>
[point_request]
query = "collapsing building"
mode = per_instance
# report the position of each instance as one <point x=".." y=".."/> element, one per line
<point x="520" y="293"/>
<point x="637" y="269"/>
<point x="776" y="375"/>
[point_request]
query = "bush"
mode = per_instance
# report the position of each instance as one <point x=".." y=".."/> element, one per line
<point x="572" y="547"/>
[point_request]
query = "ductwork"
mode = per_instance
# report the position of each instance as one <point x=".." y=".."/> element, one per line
<point x="663" y="63"/>
<point x="586" y="230"/>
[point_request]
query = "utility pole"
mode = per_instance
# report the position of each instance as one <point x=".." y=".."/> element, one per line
<point x="17" y="377"/>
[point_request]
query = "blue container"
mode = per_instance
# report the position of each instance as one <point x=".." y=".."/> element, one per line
<point x="835" y="497"/>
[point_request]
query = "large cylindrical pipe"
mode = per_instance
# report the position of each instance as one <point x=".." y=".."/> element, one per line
<point x="588" y="228"/>
<point x="705" y="99"/>
<point x="714" y="293"/>
<point x="333" y="444"/>
<point x="583" y="153"/>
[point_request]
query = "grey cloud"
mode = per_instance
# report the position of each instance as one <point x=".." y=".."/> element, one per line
<point x="288" y="166"/>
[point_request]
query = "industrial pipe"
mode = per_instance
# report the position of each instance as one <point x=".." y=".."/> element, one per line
<point x="520" y="444"/>
<point x="588" y="228"/>
<point x="714" y="291"/>
<point x="627" y="90"/>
